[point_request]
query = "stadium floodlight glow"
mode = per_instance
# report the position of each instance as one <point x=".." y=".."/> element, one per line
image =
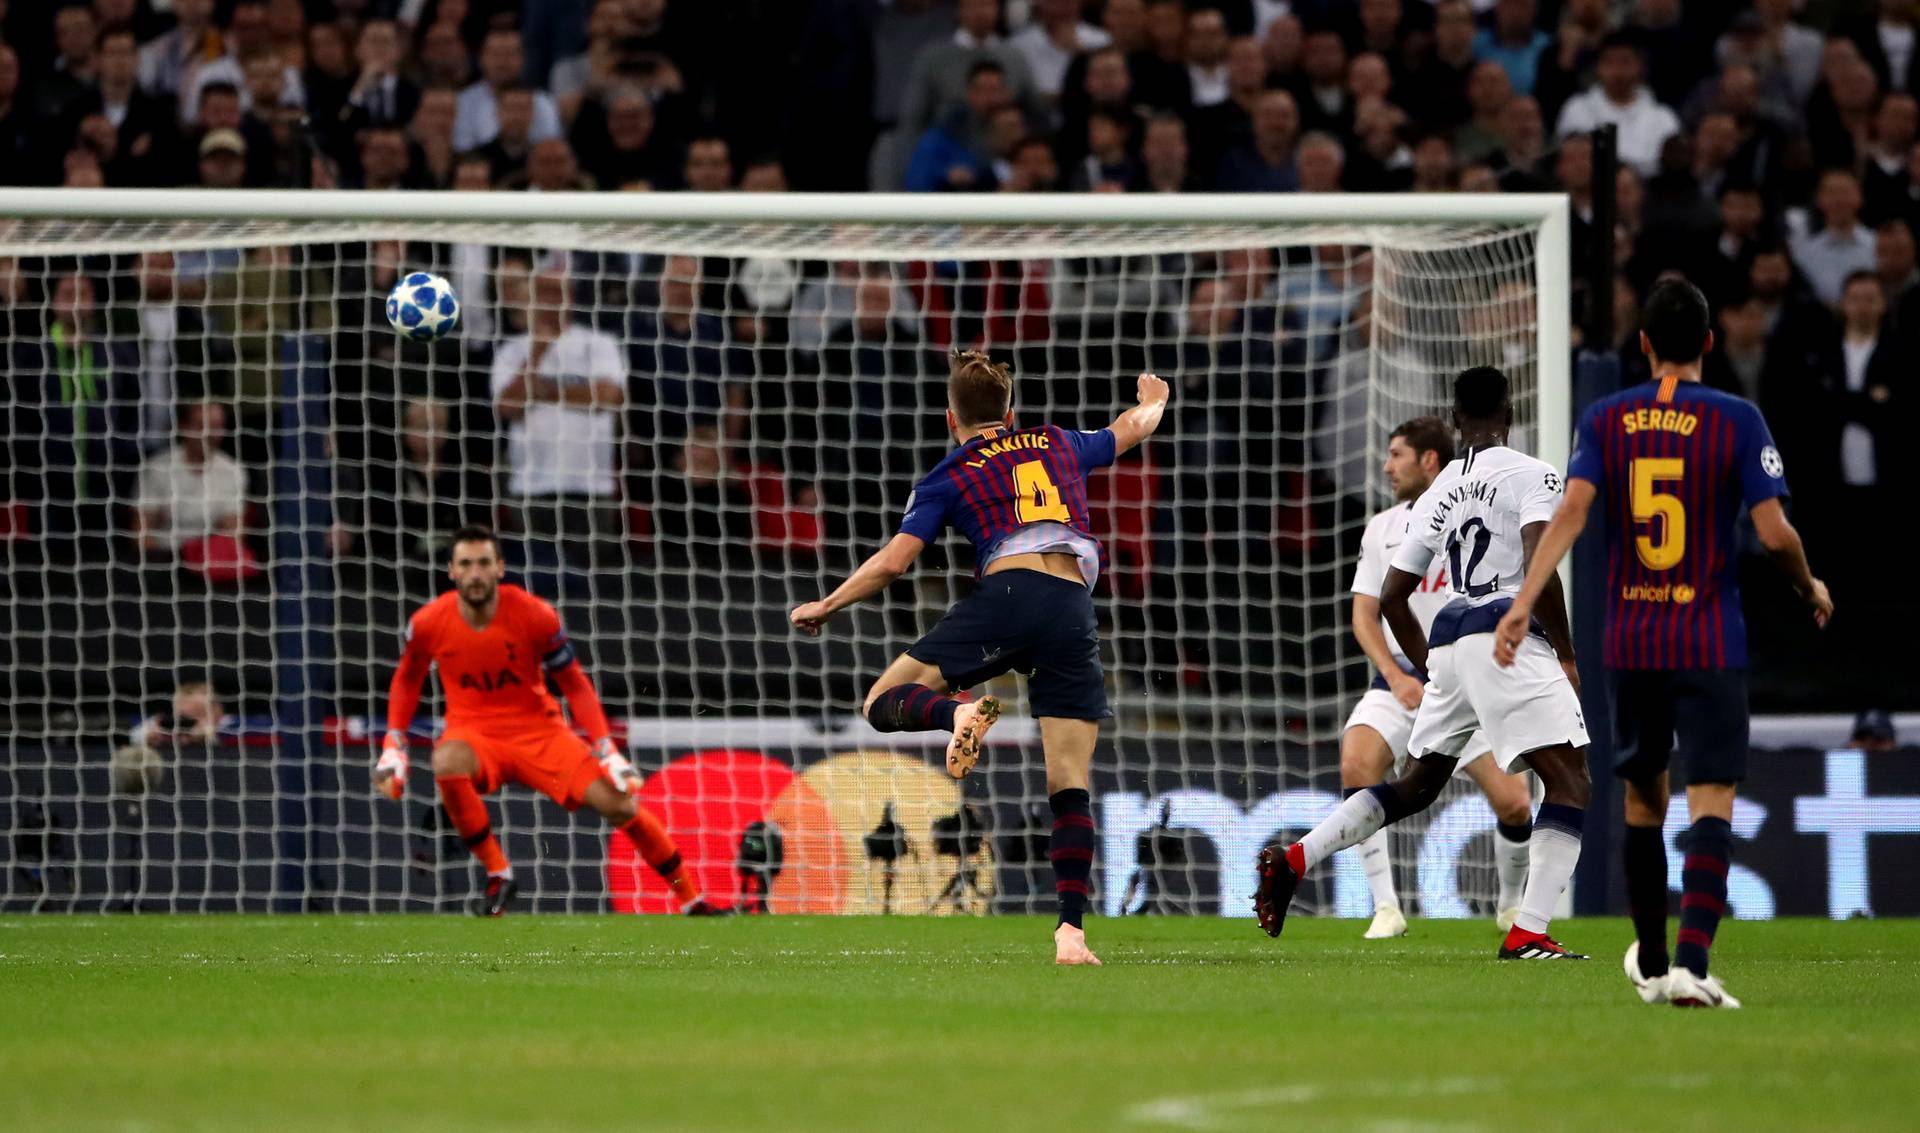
<point x="783" y="360"/>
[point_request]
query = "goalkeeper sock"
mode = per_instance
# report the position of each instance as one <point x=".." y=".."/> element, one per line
<point x="1552" y="853"/>
<point x="1646" y="861"/>
<point x="1510" y="857"/>
<point x="1071" y="851"/>
<point x="1703" y="890"/>
<point x="468" y="813"/>
<point x="649" y="836"/>
<point x="912" y="708"/>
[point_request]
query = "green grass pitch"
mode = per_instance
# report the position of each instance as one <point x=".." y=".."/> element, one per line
<point x="421" y="1024"/>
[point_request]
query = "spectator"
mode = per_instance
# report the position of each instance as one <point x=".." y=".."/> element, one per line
<point x="677" y="350"/>
<point x="551" y="169"/>
<point x="709" y="165"/>
<point x="193" y="717"/>
<point x="223" y="159"/>
<point x="1779" y="50"/>
<point x="1108" y="166"/>
<point x="704" y="508"/>
<point x="1156" y="68"/>
<point x="73" y="391"/>
<point x="764" y="174"/>
<point x="1106" y="84"/>
<point x="1387" y="29"/>
<point x="1840" y="118"/>
<point x="1436" y="91"/>
<point x="1488" y="92"/>
<point x="592" y="73"/>
<point x="1050" y="42"/>
<point x="1207" y="57"/>
<point x="1267" y="165"/>
<point x="1885" y="39"/>
<point x="1896" y="127"/>
<point x="1873" y="729"/>
<point x="1523" y="143"/>
<point x="1163" y="157"/>
<point x="329" y="75"/>
<point x="444" y="61"/>
<point x="1321" y="90"/>
<point x="1032" y="167"/>
<point x="1321" y="161"/>
<point x="1620" y="99"/>
<point x="76" y="67"/>
<point x="419" y="492"/>
<point x="431" y="137"/>
<point x="1842" y="245"/>
<point x="247" y="38"/>
<point x="1369" y="76"/>
<point x="1284" y="47"/>
<point x="880" y="418"/>
<point x="131" y="131"/>
<point x="192" y="491"/>
<point x="1738" y="361"/>
<point x="940" y="82"/>
<point x="502" y="67"/>
<point x="380" y="95"/>
<point x="629" y="149"/>
<point x="383" y="159"/>
<point x="512" y="142"/>
<point x="1384" y="162"/>
<point x="19" y="137"/>
<point x="1893" y="254"/>
<point x="1722" y="271"/>
<point x="560" y="389"/>
<point x="169" y="59"/>
<point x="1514" y="42"/>
<point x="954" y="154"/>
<point x="1434" y="168"/>
<point x="1858" y="401"/>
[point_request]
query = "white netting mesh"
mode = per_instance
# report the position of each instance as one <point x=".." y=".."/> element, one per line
<point x="784" y="384"/>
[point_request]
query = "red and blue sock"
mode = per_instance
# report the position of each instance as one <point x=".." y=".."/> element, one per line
<point x="1071" y="851"/>
<point x="1708" y="844"/>
<point x="912" y="708"/>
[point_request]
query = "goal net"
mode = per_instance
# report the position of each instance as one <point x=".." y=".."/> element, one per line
<point x="224" y="468"/>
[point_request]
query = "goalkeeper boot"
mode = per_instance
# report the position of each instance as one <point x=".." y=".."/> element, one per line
<point x="1070" y="947"/>
<point x="500" y="894"/>
<point x="970" y="724"/>
<point x="701" y="907"/>
<point x="1684" y="989"/>
<point x="1275" y="889"/>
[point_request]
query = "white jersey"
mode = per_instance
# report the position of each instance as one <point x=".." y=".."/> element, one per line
<point x="1378" y="545"/>
<point x="1471" y="518"/>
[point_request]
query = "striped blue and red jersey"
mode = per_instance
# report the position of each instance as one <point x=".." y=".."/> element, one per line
<point x="1006" y="490"/>
<point x="1674" y="462"/>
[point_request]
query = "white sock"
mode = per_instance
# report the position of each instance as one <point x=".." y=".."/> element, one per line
<point x="1510" y="861"/>
<point x="1553" y="851"/>
<point x="1379" y="866"/>
<point x="1349" y="824"/>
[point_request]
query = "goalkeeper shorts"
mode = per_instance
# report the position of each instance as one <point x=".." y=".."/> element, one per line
<point x="547" y="758"/>
<point x="1029" y="622"/>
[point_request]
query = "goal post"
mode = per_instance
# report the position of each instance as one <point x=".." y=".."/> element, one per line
<point x="781" y="360"/>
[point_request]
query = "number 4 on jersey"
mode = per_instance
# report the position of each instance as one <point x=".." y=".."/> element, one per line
<point x="1039" y="498"/>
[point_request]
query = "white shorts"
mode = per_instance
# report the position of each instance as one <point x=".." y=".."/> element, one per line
<point x="1380" y="711"/>
<point x="1518" y="710"/>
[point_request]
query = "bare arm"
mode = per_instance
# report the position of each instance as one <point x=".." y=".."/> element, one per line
<point x="1400" y="586"/>
<point x="873" y="576"/>
<point x="1782" y="541"/>
<point x="1373" y="642"/>
<point x="1139" y="423"/>
<point x="1553" y="610"/>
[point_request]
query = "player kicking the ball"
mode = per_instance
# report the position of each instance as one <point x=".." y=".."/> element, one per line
<point x="1674" y="461"/>
<point x="1484" y="513"/>
<point x="1020" y="496"/>
<point x="496" y="646"/>
<point x="1377" y="733"/>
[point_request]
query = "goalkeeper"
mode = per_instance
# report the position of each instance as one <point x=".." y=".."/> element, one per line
<point x="496" y="646"/>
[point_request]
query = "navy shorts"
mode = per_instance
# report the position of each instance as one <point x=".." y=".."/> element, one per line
<point x="1028" y="622"/>
<point x="1704" y="709"/>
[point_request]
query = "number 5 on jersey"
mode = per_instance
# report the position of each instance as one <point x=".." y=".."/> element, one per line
<point x="1664" y="543"/>
<point x="1039" y="499"/>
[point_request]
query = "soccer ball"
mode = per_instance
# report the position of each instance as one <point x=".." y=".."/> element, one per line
<point x="423" y="307"/>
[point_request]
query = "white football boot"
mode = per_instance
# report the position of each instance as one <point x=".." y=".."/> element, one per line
<point x="1684" y="989"/>
<point x="1652" y="989"/>
<point x="1388" y="922"/>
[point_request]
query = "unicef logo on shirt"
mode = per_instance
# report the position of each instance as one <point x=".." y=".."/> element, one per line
<point x="1771" y="464"/>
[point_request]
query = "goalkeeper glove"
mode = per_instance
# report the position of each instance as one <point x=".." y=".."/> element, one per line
<point x="617" y="766"/>
<point x="390" y="770"/>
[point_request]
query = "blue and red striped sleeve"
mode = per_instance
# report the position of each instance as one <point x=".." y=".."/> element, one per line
<point x="1763" y="475"/>
<point x="928" y="508"/>
<point x="1588" y="462"/>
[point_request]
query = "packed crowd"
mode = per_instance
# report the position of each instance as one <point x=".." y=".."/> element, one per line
<point x="1771" y="155"/>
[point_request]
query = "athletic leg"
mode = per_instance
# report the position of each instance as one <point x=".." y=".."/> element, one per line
<point x="1068" y="746"/>
<point x="649" y="837"/>
<point x="911" y="697"/>
<point x="1365" y="759"/>
<point x="455" y="764"/>
<point x="1511" y="799"/>
<point x="1554" y="848"/>
<point x="1708" y="849"/>
<point x="1645" y="856"/>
